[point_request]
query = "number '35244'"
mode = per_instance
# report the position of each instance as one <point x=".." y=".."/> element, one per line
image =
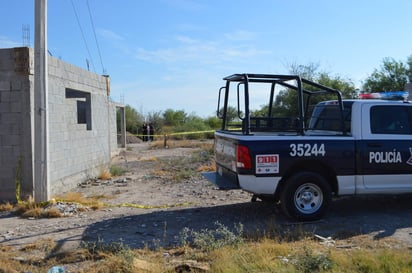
<point x="307" y="149"/>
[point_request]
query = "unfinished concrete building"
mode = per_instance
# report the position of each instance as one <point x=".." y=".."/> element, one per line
<point x="82" y="131"/>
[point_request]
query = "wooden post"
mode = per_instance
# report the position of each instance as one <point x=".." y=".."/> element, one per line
<point x="165" y="141"/>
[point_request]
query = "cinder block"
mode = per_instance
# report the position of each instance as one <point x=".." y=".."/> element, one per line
<point x="4" y="85"/>
<point x="6" y="65"/>
<point x="5" y="96"/>
<point x="10" y="140"/>
<point x="4" y="107"/>
<point x="6" y="53"/>
<point x="7" y="172"/>
<point x="4" y="130"/>
<point x="16" y="129"/>
<point x="10" y="118"/>
<point x="9" y="129"/>
<point x="7" y="194"/>
<point x="15" y="107"/>
<point x="16" y="85"/>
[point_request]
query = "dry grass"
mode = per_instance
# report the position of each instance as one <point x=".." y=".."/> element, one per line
<point x="27" y="258"/>
<point x="157" y="144"/>
<point x="307" y="256"/>
<point x="52" y="213"/>
<point x="6" y="207"/>
<point x="206" y="168"/>
<point x="181" y="168"/>
<point x="105" y="175"/>
<point x="257" y="257"/>
<point x="36" y="212"/>
<point x="44" y="245"/>
<point x="77" y="197"/>
<point x="31" y="209"/>
<point x="28" y="208"/>
<point x="263" y="255"/>
<point x="209" y="167"/>
<point x="99" y="196"/>
<point x="201" y="144"/>
<point x="159" y="172"/>
<point x="149" y="159"/>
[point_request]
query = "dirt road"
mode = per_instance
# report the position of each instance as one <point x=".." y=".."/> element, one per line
<point x="156" y="210"/>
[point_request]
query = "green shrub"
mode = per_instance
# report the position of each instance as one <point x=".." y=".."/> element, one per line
<point x="117" y="170"/>
<point x="208" y="240"/>
<point x="310" y="262"/>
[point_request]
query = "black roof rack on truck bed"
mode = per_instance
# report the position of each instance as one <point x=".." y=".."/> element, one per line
<point x="305" y="90"/>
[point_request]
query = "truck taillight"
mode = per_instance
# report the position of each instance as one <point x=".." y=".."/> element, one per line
<point x="243" y="159"/>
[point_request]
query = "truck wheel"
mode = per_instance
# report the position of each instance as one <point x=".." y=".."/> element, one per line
<point x="306" y="196"/>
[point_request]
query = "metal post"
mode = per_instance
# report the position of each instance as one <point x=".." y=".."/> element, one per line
<point x="40" y="129"/>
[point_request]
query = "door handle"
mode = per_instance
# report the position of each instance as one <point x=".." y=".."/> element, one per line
<point x="374" y="145"/>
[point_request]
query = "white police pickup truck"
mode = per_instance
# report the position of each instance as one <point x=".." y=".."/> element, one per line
<point x="323" y="146"/>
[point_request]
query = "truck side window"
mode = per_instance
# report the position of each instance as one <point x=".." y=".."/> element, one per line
<point x="390" y="120"/>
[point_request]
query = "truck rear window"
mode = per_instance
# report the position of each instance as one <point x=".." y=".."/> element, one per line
<point x="327" y="117"/>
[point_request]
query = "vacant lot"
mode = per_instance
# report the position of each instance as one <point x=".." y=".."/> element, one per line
<point x="162" y="193"/>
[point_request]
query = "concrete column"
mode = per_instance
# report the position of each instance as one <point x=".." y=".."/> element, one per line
<point x="40" y="111"/>
<point x="123" y="127"/>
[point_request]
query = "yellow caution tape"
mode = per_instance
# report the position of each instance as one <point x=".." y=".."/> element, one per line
<point x="174" y="134"/>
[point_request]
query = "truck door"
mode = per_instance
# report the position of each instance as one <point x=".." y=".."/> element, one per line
<point x="385" y="151"/>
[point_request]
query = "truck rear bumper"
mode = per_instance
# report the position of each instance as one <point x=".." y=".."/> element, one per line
<point x="266" y="185"/>
<point x="223" y="182"/>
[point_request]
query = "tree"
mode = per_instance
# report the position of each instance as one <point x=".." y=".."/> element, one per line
<point x="392" y="76"/>
<point x="133" y="119"/>
<point x="213" y="122"/>
<point x="286" y="100"/>
<point x="174" y="117"/>
<point x="192" y="123"/>
<point x="308" y="71"/>
<point x="231" y="114"/>
<point x="156" y="120"/>
<point x="345" y="86"/>
<point x="409" y="71"/>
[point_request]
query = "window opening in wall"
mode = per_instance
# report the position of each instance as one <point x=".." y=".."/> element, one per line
<point x="84" y="106"/>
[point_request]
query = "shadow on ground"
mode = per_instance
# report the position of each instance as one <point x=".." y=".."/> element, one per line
<point x="380" y="216"/>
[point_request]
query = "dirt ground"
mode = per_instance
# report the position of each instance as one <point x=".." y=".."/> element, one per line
<point x="156" y="210"/>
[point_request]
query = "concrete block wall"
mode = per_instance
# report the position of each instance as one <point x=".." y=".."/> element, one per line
<point x="15" y="123"/>
<point x="76" y="152"/>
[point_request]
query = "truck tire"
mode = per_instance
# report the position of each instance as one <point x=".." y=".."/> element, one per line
<point x="306" y="196"/>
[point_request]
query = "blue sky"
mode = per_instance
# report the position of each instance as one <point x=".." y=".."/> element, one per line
<point x="163" y="54"/>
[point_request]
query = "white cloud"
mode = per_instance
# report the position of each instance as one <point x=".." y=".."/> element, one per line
<point x="185" y="49"/>
<point x="246" y="52"/>
<point x="161" y="55"/>
<point x="110" y="35"/>
<point x="241" y="35"/>
<point x="186" y="40"/>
